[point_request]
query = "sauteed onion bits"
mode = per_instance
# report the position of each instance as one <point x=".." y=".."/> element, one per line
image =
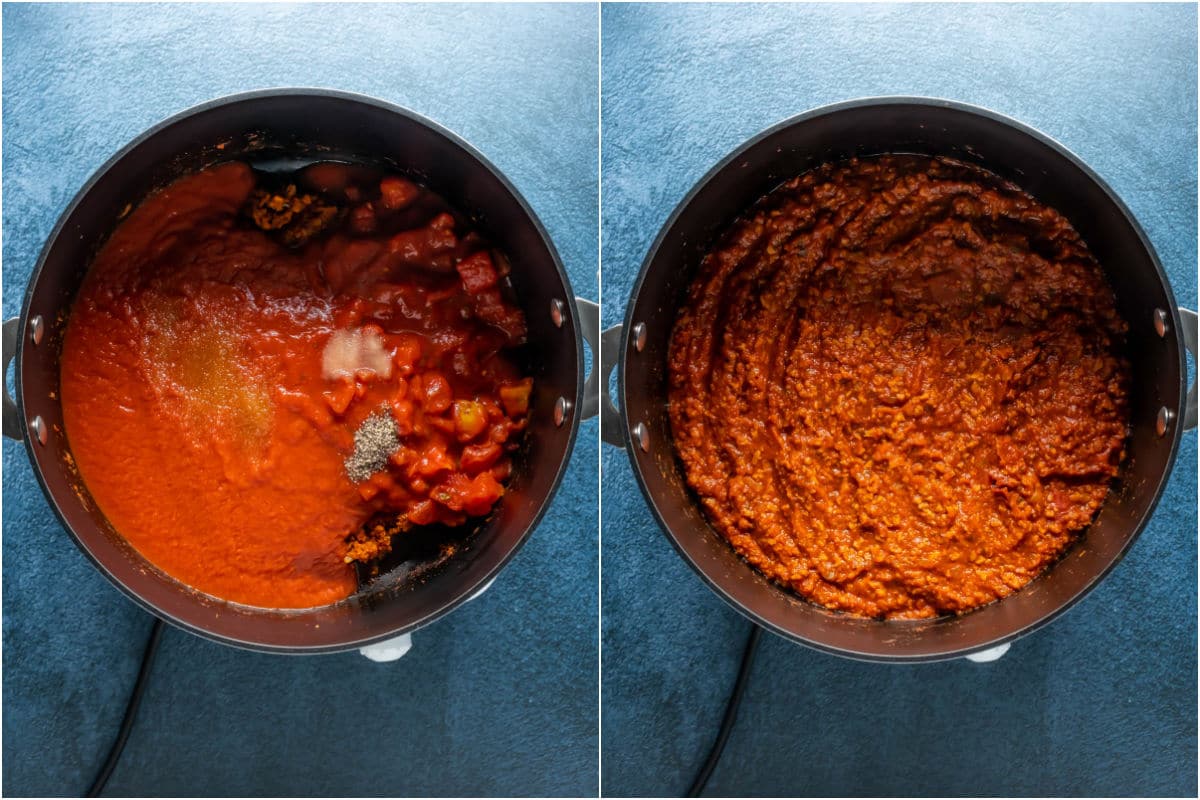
<point x="897" y="386"/>
<point x="264" y="378"/>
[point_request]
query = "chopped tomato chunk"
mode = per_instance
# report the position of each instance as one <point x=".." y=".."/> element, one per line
<point x="340" y="397"/>
<point x="422" y="512"/>
<point x="436" y="391"/>
<point x="479" y="457"/>
<point x="396" y="193"/>
<point x="516" y="397"/>
<point x="477" y="272"/>
<point x="470" y="420"/>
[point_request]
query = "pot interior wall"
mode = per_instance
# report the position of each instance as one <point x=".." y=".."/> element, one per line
<point x="312" y="126"/>
<point x="928" y="128"/>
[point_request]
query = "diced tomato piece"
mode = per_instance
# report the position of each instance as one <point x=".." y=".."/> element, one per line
<point x="478" y="457"/>
<point x="492" y="408"/>
<point x="514" y="325"/>
<point x="403" y="412"/>
<point x="408" y="352"/>
<point x="470" y="419"/>
<point x="489" y="305"/>
<point x="398" y="497"/>
<point x="441" y="233"/>
<point x="498" y="433"/>
<point x="492" y="309"/>
<point x="450" y="493"/>
<point x="362" y="218"/>
<point x="420" y="245"/>
<point x="402" y="457"/>
<point x="384" y="480"/>
<point x="477" y="272"/>
<point x="422" y="512"/>
<point x="475" y="496"/>
<point x="396" y="193"/>
<point x="515" y="397"/>
<point x="340" y="397"/>
<point x="449" y="339"/>
<point x="436" y="391"/>
<point x="462" y="364"/>
<point x="408" y="245"/>
<point x="433" y="462"/>
<point x="482" y="494"/>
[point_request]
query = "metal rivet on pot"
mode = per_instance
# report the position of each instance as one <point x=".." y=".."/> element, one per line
<point x="36" y="329"/>
<point x="1162" y="322"/>
<point x="1163" y="424"/>
<point x="562" y="409"/>
<point x="39" y="429"/>
<point x="642" y="436"/>
<point x="556" y="312"/>
<point x="639" y="336"/>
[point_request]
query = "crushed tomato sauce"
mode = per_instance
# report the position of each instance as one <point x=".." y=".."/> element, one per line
<point x="229" y="341"/>
<point x="897" y="387"/>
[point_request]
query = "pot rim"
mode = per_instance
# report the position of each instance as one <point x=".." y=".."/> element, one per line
<point x="571" y="313"/>
<point x="883" y="101"/>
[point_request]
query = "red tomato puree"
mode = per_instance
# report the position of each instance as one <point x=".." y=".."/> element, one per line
<point x="214" y="375"/>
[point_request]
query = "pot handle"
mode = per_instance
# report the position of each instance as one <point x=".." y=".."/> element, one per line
<point x="13" y="428"/>
<point x="611" y="429"/>
<point x="589" y="323"/>
<point x="1188" y="318"/>
<point x="596" y="399"/>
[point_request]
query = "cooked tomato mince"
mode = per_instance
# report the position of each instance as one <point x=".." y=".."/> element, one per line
<point x="263" y="383"/>
<point x="897" y="386"/>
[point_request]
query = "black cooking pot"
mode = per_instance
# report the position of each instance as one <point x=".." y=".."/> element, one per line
<point x="1158" y="336"/>
<point x="275" y="129"/>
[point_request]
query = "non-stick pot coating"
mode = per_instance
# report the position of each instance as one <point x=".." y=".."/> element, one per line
<point x="935" y="128"/>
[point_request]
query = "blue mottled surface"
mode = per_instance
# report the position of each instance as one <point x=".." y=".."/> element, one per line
<point x="1103" y="701"/>
<point x="498" y="698"/>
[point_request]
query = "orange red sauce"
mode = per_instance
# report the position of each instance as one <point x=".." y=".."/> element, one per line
<point x="897" y="386"/>
<point x="211" y="419"/>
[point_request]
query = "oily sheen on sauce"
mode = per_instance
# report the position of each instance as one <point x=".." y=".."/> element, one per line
<point x="897" y="386"/>
<point x="218" y="363"/>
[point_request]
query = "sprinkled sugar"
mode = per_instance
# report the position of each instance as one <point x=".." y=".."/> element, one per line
<point x="374" y="441"/>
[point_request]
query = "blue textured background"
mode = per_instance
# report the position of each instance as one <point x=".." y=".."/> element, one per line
<point x="498" y="698"/>
<point x="1101" y="702"/>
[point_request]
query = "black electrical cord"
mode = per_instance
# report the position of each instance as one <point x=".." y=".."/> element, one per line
<point x="731" y="709"/>
<point x="131" y="709"/>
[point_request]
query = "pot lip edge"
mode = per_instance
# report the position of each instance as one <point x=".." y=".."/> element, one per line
<point x="884" y="101"/>
<point x="266" y="94"/>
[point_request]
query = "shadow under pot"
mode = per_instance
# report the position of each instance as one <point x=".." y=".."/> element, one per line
<point x="1159" y="334"/>
<point x="279" y="130"/>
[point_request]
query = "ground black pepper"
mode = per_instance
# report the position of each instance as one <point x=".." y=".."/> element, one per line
<point x="374" y="441"/>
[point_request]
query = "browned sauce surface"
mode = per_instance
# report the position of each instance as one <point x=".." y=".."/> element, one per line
<point x="896" y="386"/>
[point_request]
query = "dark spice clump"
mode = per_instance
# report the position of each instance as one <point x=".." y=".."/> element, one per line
<point x="373" y="540"/>
<point x="296" y="217"/>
